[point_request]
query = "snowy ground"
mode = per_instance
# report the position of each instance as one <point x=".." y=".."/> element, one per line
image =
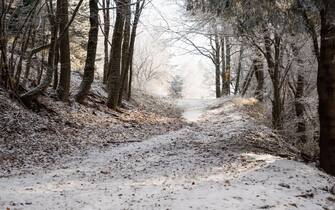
<point x="226" y="160"/>
<point x="193" y="108"/>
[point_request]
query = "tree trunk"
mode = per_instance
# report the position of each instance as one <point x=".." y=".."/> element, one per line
<point x="56" y="74"/>
<point x="239" y="70"/>
<point x="4" y="70"/>
<point x="277" y="106"/>
<point x="326" y="88"/>
<point x="227" y="73"/>
<point x="298" y="95"/>
<point x="247" y="80"/>
<point x="27" y="97"/>
<point x="33" y="52"/>
<point x="115" y="57"/>
<point x="217" y="66"/>
<point x="273" y="69"/>
<point x="24" y="47"/>
<point x="88" y="77"/>
<point x="223" y="64"/>
<point x="63" y="89"/>
<point x="259" y="74"/>
<point x="138" y="11"/>
<point x="125" y="50"/>
<point x="106" y="4"/>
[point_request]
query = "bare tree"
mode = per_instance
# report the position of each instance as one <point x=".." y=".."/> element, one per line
<point x="88" y="77"/>
<point x="125" y="51"/>
<point x="106" y="15"/>
<point x="63" y="89"/>
<point x="137" y="14"/>
<point x="113" y="84"/>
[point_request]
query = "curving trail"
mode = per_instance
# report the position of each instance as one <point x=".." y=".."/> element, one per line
<point x="211" y="164"/>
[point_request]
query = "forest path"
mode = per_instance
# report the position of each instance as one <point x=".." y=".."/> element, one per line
<point x="203" y="166"/>
<point x="194" y="108"/>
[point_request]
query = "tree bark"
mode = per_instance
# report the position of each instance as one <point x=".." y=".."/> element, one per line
<point x="223" y="64"/>
<point x="247" y="80"/>
<point x="239" y="70"/>
<point x="88" y="77"/>
<point x="113" y="84"/>
<point x="326" y="88"/>
<point x="298" y="95"/>
<point x="138" y="11"/>
<point x="259" y="74"/>
<point x="4" y="70"/>
<point x="56" y="73"/>
<point x="24" y="47"/>
<point x="217" y="66"/>
<point x="125" y="51"/>
<point x="273" y="69"/>
<point x="63" y="89"/>
<point x="227" y="74"/>
<point x="106" y="4"/>
<point x="28" y="96"/>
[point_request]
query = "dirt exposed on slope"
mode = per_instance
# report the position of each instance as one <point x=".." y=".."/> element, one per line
<point x="29" y="139"/>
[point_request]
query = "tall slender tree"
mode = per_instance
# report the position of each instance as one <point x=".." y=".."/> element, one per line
<point x="106" y="13"/>
<point x="125" y="51"/>
<point x="326" y="87"/>
<point x="227" y="73"/>
<point x="239" y="70"/>
<point x="137" y="15"/>
<point x="114" y="68"/>
<point x="259" y="74"/>
<point x="88" y="77"/>
<point x="63" y="89"/>
<point x="216" y="61"/>
<point x="223" y="64"/>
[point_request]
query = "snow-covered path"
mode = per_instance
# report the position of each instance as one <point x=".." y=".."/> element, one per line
<point x="209" y="165"/>
<point x="193" y="108"/>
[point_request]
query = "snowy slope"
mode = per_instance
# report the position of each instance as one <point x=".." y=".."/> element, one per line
<point x="227" y="160"/>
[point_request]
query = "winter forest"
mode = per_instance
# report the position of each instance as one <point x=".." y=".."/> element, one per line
<point x="167" y="104"/>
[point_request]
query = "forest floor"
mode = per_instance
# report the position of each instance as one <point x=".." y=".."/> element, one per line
<point x="224" y="158"/>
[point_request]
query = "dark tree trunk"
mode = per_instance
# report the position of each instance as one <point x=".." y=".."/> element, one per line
<point x="223" y="64"/>
<point x="273" y="69"/>
<point x="247" y="80"/>
<point x="326" y="88"/>
<point x="106" y="4"/>
<point x="298" y="95"/>
<point x="227" y="74"/>
<point x="277" y="106"/>
<point x="125" y="51"/>
<point x="299" y="108"/>
<point x="115" y="57"/>
<point x="3" y="48"/>
<point x="88" y="77"/>
<point x="63" y="89"/>
<point x="138" y="11"/>
<point x="259" y="74"/>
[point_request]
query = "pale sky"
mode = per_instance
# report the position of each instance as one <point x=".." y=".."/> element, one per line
<point x="159" y="16"/>
<point x="197" y="71"/>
